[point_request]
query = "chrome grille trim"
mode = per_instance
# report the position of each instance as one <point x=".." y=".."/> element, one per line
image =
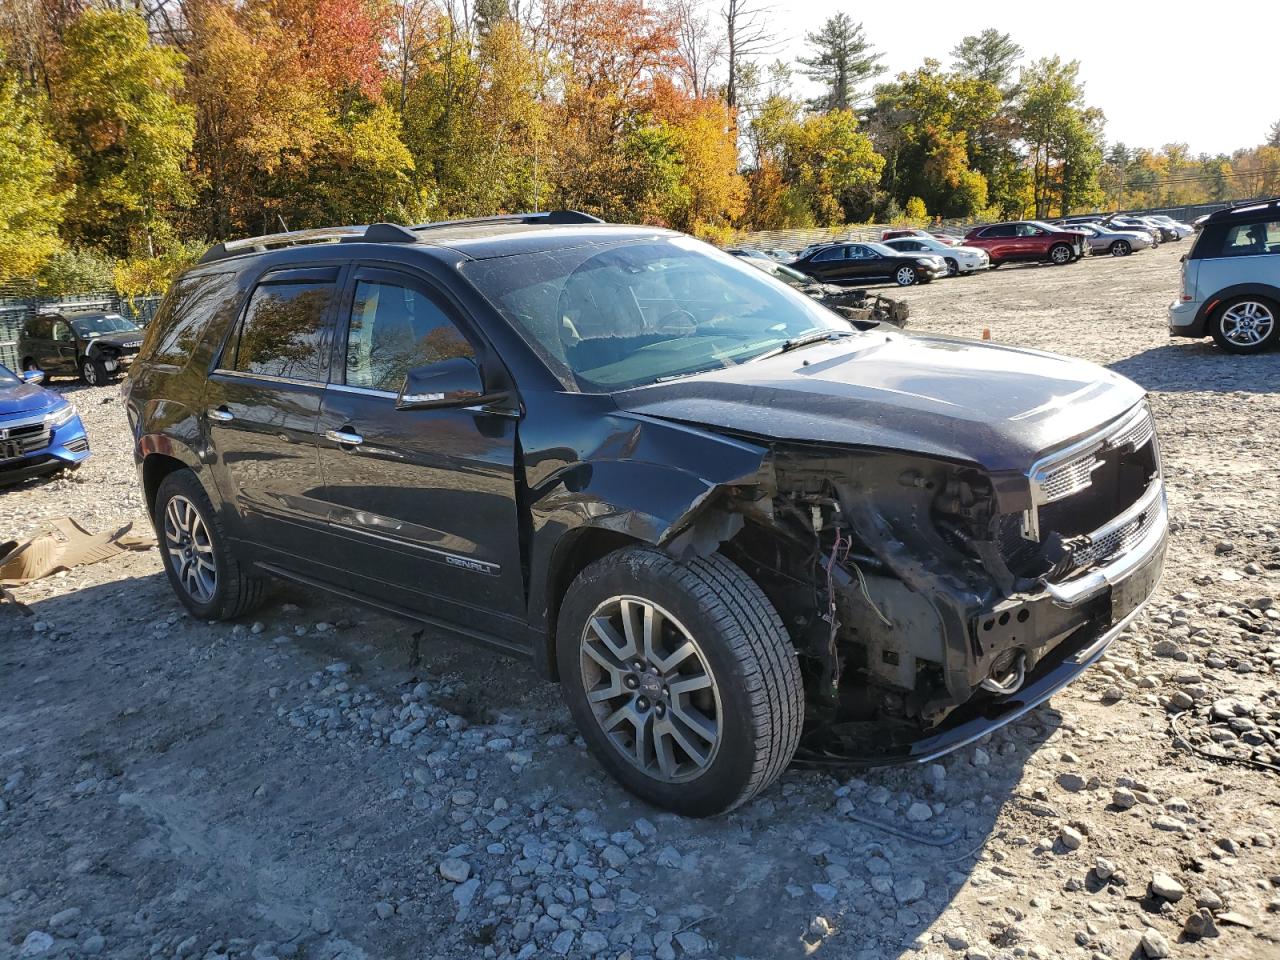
<point x="1066" y="472"/>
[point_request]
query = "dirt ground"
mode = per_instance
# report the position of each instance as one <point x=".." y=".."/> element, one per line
<point x="316" y="782"/>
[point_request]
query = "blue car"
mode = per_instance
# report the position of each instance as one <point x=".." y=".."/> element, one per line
<point x="40" y="431"/>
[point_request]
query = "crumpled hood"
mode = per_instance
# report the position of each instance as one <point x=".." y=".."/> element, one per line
<point x="124" y="342"/>
<point x="994" y="406"/>
<point x="27" y="398"/>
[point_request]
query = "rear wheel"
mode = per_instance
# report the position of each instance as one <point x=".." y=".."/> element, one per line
<point x="202" y="568"/>
<point x="1121" y="248"/>
<point x="1060" y="254"/>
<point x="906" y="276"/>
<point x="681" y="678"/>
<point x="1246" y="325"/>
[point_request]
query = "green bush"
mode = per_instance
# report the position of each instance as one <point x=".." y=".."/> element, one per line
<point x="75" y="270"/>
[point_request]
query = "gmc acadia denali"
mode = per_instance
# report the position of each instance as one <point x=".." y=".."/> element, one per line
<point x="736" y="529"/>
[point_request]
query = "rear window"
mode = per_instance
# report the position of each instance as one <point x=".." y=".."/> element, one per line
<point x="1251" y="239"/>
<point x="283" y="334"/>
<point x="194" y="306"/>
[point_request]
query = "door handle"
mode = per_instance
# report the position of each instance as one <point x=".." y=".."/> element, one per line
<point x="344" y="438"/>
<point x="221" y="414"/>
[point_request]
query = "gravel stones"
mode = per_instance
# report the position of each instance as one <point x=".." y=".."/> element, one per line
<point x="1165" y="886"/>
<point x="455" y="870"/>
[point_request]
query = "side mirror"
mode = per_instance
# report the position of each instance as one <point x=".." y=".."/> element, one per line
<point x="455" y="382"/>
<point x="32" y="376"/>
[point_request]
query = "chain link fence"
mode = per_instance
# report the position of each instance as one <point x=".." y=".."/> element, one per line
<point x="15" y="311"/>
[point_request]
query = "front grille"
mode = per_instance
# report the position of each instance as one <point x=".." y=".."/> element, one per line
<point x="1080" y="491"/>
<point x="1117" y="541"/>
<point x="22" y="440"/>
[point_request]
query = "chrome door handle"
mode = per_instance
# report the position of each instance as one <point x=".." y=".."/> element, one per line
<point x="221" y="414"/>
<point x="345" y="438"/>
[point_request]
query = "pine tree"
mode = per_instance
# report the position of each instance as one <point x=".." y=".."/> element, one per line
<point x="842" y="60"/>
<point x="989" y="56"/>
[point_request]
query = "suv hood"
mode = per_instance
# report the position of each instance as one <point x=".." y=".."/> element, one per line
<point x="994" y="406"/>
<point x="27" y="398"/>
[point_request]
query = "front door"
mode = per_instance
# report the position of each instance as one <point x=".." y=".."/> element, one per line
<point x="60" y="349"/>
<point x="260" y="410"/>
<point x="422" y="501"/>
<point x="865" y="264"/>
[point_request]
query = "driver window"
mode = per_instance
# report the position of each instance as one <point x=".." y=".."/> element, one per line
<point x="859" y="253"/>
<point x="1027" y="230"/>
<point x="61" y="331"/>
<point x="394" y="329"/>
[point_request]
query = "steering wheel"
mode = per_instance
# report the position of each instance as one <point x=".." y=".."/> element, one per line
<point x="678" y="321"/>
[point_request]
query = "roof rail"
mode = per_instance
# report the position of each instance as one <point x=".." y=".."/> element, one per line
<point x="549" y="218"/>
<point x="375" y="233"/>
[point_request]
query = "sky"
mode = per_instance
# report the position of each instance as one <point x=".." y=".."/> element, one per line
<point x="1169" y="71"/>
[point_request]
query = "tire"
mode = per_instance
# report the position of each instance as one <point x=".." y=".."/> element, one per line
<point x="743" y="679"/>
<point x="1060" y="254"/>
<point x="906" y="276"/>
<point x="953" y="268"/>
<point x="94" y="372"/>
<point x="1247" y="324"/>
<point x="995" y="264"/>
<point x="1121" y="248"/>
<point x="231" y="591"/>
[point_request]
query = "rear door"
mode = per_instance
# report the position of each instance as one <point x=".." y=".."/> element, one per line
<point x="999" y="240"/>
<point x="422" y="502"/>
<point x="260" y="407"/>
<point x="829" y="264"/>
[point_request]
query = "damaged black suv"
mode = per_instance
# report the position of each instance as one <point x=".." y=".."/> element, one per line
<point x="736" y="529"/>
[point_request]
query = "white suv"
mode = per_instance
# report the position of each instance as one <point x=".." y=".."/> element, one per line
<point x="1231" y="280"/>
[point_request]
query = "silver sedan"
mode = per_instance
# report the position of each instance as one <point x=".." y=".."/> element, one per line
<point x="1118" y="243"/>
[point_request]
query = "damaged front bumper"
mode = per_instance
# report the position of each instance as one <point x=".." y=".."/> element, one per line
<point x="1109" y="597"/>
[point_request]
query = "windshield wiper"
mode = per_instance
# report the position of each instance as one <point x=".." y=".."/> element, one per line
<point x="804" y="340"/>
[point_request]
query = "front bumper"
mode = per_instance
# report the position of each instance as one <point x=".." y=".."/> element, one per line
<point x="1110" y="597"/>
<point x="1186" y="319"/>
<point x="68" y="446"/>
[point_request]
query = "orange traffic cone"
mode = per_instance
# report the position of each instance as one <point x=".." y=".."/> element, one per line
<point x="986" y="333"/>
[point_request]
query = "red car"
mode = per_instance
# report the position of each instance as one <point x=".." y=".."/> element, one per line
<point x="1027" y="240"/>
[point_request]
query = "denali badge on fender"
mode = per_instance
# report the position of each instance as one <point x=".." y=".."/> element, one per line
<point x="736" y="529"/>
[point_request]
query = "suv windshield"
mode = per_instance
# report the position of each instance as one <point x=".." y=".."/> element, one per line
<point x="7" y="377"/>
<point x="611" y="317"/>
<point x="89" y="327"/>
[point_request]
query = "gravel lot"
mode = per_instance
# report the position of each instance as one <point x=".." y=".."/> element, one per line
<point x="320" y="783"/>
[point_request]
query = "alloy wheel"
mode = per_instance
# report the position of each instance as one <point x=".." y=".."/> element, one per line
<point x="1120" y="248"/>
<point x="186" y="538"/>
<point x="905" y="276"/>
<point x="1060" y="255"/>
<point x="90" y="371"/>
<point x="650" y="688"/>
<point x="1247" y="324"/>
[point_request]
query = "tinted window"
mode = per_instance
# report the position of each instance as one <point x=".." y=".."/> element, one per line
<point x="7" y="377"/>
<point x="1001" y="230"/>
<point x="188" y="311"/>
<point x="1252" y="239"/>
<point x="831" y="253"/>
<point x="394" y="329"/>
<point x="283" y="331"/>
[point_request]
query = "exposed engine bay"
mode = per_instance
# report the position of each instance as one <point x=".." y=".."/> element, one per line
<point x="916" y="591"/>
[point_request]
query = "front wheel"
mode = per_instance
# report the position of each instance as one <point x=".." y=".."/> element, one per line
<point x="906" y="276"/>
<point x="202" y="568"/>
<point x="953" y="268"/>
<point x="93" y="372"/>
<point x="1060" y="255"/>
<point x="1246" y="325"/>
<point x="681" y="678"/>
<point x="1121" y="248"/>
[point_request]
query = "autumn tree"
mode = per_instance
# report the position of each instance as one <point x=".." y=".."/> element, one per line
<point x="31" y="199"/>
<point x="990" y="56"/>
<point x="116" y="100"/>
<point x="842" y="59"/>
<point x="1063" y="135"/>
